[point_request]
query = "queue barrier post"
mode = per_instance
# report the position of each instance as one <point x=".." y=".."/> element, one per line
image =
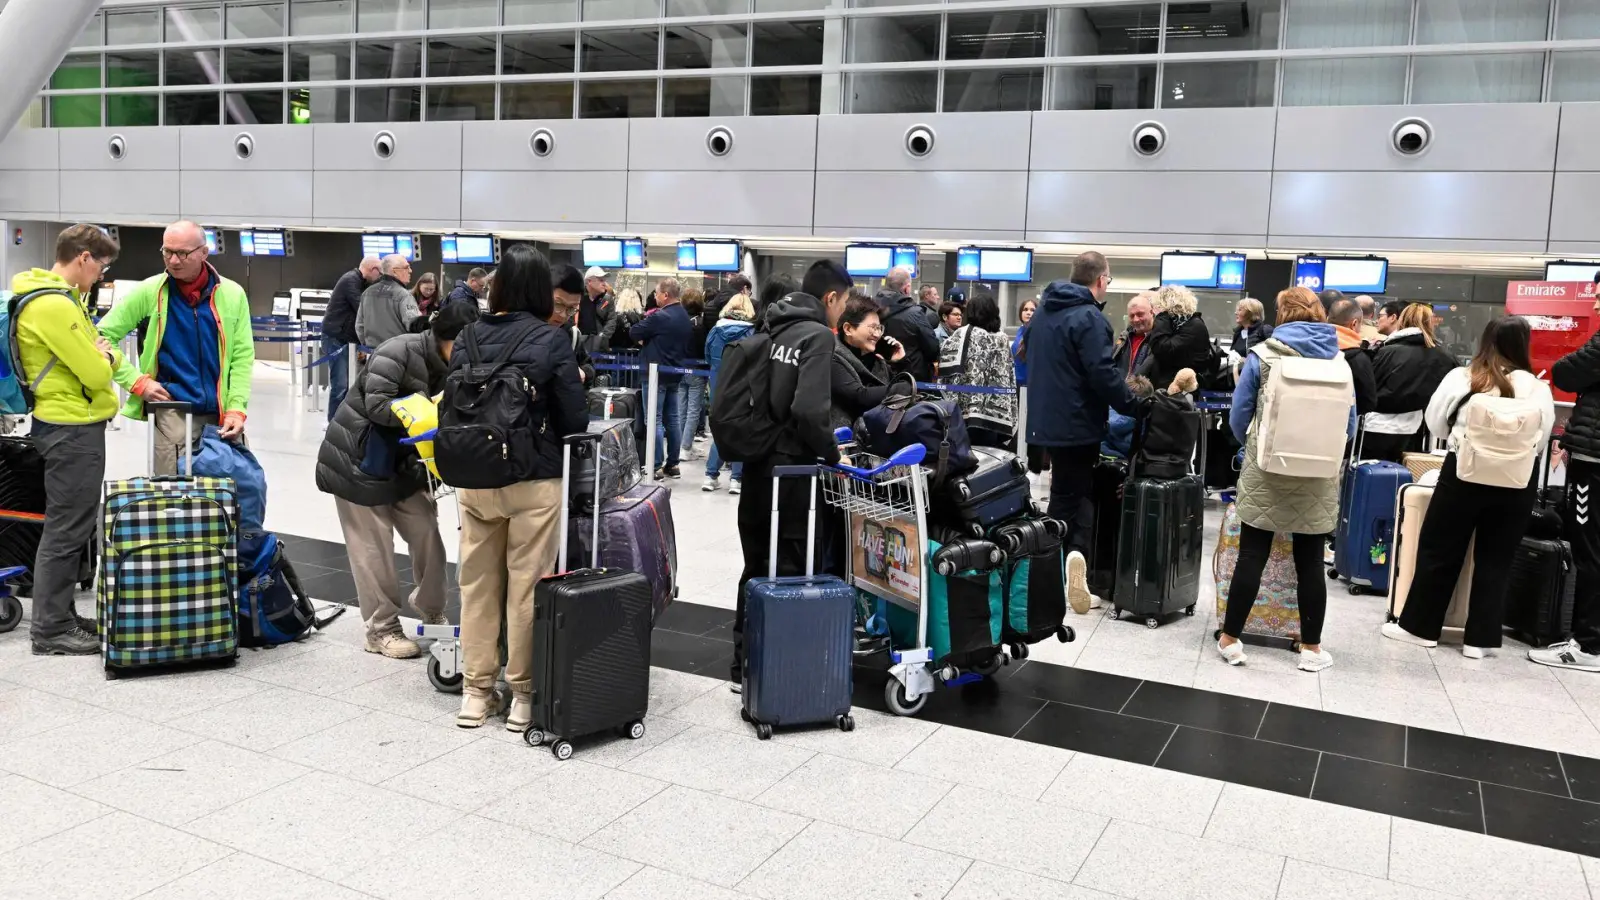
<point x="650" y="406"/>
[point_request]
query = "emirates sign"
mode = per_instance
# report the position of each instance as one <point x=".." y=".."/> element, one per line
<point x="1550" y="290"/>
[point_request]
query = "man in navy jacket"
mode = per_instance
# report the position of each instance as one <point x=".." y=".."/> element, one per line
<point x="1073" y="383"/>
<point x="666" y="333"/>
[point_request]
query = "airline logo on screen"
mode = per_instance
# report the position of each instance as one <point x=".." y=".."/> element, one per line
<point x="1550" y="290"/>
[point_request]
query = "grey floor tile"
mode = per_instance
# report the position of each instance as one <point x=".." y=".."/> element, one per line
<point x="878" y="738"/>
<point x="245" y="876"/>
<point x="1303" y="829"/>
<point x="839" y="864"/>
<point x="987" y="761"/>
<point x="728" y="840"/>
<point x="104" y="744"/>
<point x="30" y="811"/>
<point x="475" y="775"/>
<point x="650" y="883"/>
<point x="407" y="693"/>
<point x="333" y="668"/>
<point x="1564" y="732"/>
<point x="1309" y="881"/>
<point x="25" y="712"/>
<point x="1533" y="689"/>
<point x="1169" y="669"/>
<point x="855" y="795"/>
<point x="375" y="747"/>
<point x="1415" y="674"/>
<point x="718" y="762"/>
<point x="492" y="859"/>
<point x="1036" y="838"/>
<point x="990" y="882"/>
<point x="671" y="689"/>
<point x="114" y="857"/>
<point x="1293" y="687"/>
<point x="1144" y="863"/>
<point x="611" y="750"/>
<point x="76" y="677"/>
<point x="573" y="800"/>
<point x="1422" y="710"/>
<point x="186" y="784"/>
<point x="1479" y="866"/>
<point x="173" y="695"/>
<point x="269" y="719"/>
<point x="1160" y="798"/>
<point x="714" y="709"/>
<point x="324" y="825"/>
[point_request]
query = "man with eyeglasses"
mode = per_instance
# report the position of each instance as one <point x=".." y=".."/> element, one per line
<point x="567" y="290"/>
<point x="199" y="347"/>
<point x="388" y="309"/>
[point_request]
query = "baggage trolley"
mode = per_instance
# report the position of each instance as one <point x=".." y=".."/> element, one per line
<point x="444" y="654"/>
<point x="10" y="606"/>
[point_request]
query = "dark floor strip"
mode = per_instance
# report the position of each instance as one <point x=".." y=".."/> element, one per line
<point x="1521" y="793"/>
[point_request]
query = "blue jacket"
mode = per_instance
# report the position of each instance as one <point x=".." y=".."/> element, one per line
<point x="461" y="293"/>
<point x="1119" y="436"/>
<point x="1313" y="340"/>
<point x="1022" y="367"/>
<point x="1072" y="382"/>
<point x="666" y="335"/>
<point x="188" y="365"/>
<point x="726" y="332"/>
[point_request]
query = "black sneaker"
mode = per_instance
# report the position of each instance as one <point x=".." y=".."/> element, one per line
<point x="76" y="642"/>
<point x="672" y="472"/>
<point x="86" y="624"/>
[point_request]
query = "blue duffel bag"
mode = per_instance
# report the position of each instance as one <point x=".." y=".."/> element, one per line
<point x="272" y="607"/>
<point x="905" y="417"/>
<point x="218" y="457"/>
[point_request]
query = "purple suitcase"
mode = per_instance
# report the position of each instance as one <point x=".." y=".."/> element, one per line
<point x="636" y="535"/>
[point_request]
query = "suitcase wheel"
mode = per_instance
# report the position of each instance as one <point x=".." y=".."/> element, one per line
<point x="533" y="736"/>
<point x="1189" y="610"/>
<point x="10" y="613"/>
<point x="1333" y="574"/>
<point x="443" y="685"/>
<point x="990" y="665"/>
<point x="894" y="696"/>
<point x="561" y="750"/>
<point x="1068" y="634"/>
<point x="763" y="731"/>
<point x="633" y="730"/>
<point x="847" y="722"/>
<point x="1356" y="590"/>
<point x="1018" y="650"/>
<point x="1152" y="622"/>
<point x="744" y="714"/>
<point x="1116" y="614"/>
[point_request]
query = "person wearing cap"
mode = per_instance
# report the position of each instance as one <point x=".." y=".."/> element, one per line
<point x="470" y="290"/>
<point x="597" y="305"/>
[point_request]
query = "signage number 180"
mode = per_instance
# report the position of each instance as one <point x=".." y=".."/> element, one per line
<point x="1309" y="281"/>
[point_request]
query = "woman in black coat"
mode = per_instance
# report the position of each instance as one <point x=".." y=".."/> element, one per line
<point x="1179" y="339"/>
<point x="1408" y="367"/>
<point x="1251" y="318"/>
<point x="860" y="371"/>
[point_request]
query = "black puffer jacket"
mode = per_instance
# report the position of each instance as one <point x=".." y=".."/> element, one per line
<point x="406" y="365"/>
<point x="1408" y="371"/>
<point x="1244" y="339"/>
<point x="904" y="320"/>
<point x="802" y="380"/>
<point x="546" y="358"/>
<point x="859" y="382"/>
<point x="339" y="321"/>
<point x="1579" y="373"/>
<point x="1178" y="343"/>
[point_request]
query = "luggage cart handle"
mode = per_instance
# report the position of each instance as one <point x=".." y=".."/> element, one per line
<point x="909" y="455"/>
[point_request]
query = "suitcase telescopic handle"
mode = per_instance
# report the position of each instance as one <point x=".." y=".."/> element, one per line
<point x="778" y="474"/>
<point x="182" y="408"/>
<point x="567" y="444"/>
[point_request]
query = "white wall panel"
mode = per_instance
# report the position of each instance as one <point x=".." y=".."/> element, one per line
<point x="32" y="149"/>
<point x="34" y="194"/>
<point x="1209" y="208"/>
<point x="253" y="198"/>
<point x="560" y="201"/>
<point x="763" y="143"/>
<point x="421" y="199"/>
<point x="145" y="149"/>
<point x="770" y="202"/>
<point x="1378" y="208"/>
<point x="98" y="195"/>
<point x="582" y="145"/>
<point x="1580" y="138"/>
<point x="1490" y="137"/>
<point x="962" y="141"/>
<point x="1197" y="139"/>
<point x="431" y="146"/>
<point x="988" y="205"/>
<point x="277" y="147"/>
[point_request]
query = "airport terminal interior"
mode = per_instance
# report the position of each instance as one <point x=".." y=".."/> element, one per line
<point x="1442" y="152"/>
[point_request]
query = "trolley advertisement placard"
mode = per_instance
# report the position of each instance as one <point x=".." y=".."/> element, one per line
<point x="886" y="558"/>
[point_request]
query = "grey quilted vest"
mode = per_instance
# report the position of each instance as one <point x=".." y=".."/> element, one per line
<point x="1283" y="503"/>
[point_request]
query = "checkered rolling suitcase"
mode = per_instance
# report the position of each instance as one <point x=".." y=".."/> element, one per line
<point x="167" y="568"/>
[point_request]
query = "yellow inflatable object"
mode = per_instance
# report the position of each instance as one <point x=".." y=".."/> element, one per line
<point x="420" y="415"/>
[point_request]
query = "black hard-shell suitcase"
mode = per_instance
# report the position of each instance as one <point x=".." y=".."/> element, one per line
<point x="1540" y="591"/>
<point x="995" y="492"/>
<point x="1159" y="548"/>
<point x="591" y="646"/>
<point x="613" y="403"/>
<point x="22" y="513"/>
<point x="1109" y="475"/>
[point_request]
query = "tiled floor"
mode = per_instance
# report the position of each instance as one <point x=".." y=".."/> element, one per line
<point x="319" y="771"/>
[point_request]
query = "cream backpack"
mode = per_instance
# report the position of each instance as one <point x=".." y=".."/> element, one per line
<point x="1501" y="440"/>
<point x="1304" y="416"/>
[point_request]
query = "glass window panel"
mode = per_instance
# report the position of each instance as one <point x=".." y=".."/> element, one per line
<point x="764" y="6"/>
<point x="390" y="104"/>
<point x="874" y="39"/>
<point x="93" y="34"/>
<point x="134" y="27"/>
<point x="705" y="46"/>
<point x="191" y="67"/>
<point x="464" y="14"/>
<point x="1103" y="87"/>
<point x="538" y="54"/>
<point x="1008" y="34"/>
<point x="702" y="96"/>
<point x="1107" y="30"/>
<point x="988" y="90"/>
<point x="786" y="44"/>
<point x="1365" y="81"/>
<point x="1211" y="84"/>
<point x="1485" y="78"/>
<point x="77" y="72"/>
<point x="194" y="23"/>
<point x="605" y="10"/>
<point x="1481" y="21"/>
<point x="1203" y="27"/>
<point x="876" y="3"/>
<point x="321" y="17"/>
<point x="249" y="64"/>
<point x="388" y="59"/>
<point x="253" y="107"/>
<point x="1574" y="77"/>
<point x="892" y="92"/>
<point x="133" y="68"/>
<point x="617" y="99"/>
<point x="255" y="20"/>
<point x="319" y="105"/>
<point x="461" y="57"/>
<point x="127" y="110"/>
<point x="540" y="12"/>
<point x="75" y="112"/>
<point x="389" y="15"/>
<point x="319" y="62"/>
<point x="460" y="102"/>
<point x="1577" y="20"/>
<point x="786" y="95"/>
<point x="536" y="100"/>
<point x="707" y="7"/>
<point x="620" y="50"/>
<point x="1333" y="23"/>
<point x="204" y="108"/>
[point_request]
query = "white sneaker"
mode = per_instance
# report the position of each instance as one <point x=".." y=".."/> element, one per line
<point x="1394" y="632"/>
<point x="1566" y="655"/>
<point x="733" y="487"/>
<point x="1233" y="654"/>
<point x="1095" y="602"/>
<point x="711" y="486"/>
<point x="1315" y="661"/>
<point x="1078" y="583"/>
<point x="521" y="713"/>
<point x="1471" y="652"/>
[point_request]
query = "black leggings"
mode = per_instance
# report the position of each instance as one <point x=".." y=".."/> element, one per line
<point x="1255" y="547"/>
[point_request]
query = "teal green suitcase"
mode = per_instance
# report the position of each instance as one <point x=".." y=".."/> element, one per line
<point x="965" y="613"/>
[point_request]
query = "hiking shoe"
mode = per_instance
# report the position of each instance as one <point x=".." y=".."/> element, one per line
<point x="672" y="472"/>
<point x="711" y="486"/>
<point x="521" y="714"/>
<point x="393" y="645"/>
<point x="1394" y="632"/>
<point x="1078" y="583"/>
<point x="86" y="624"/>
<point x="76" y="642"/>
<point x="1233" y="654"/>
<point x="1566" y="655"/>
<point x="1314" y="661"/>
<point x="477" y="708"/>
<point x="734" y="487"/>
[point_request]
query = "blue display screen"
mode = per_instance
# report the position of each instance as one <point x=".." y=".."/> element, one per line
<point x="1004" y="265"/>
<point x="1192" y="270"/>
<point x="1309" y="271"/>
<point x="381" y="245"/>
<point x="603" y="252"/>
<point x="868" y="260"/>
<point x="633" y="254"/>
<point x="717" y="256"/>
<point x="211" y="242"/>
<point x="1230" y="271"/>
<point x="686" y="257"/>
<point x="906" y="257"/>
<point x="967" y="264"/>
<point x="466" y="248"/>
<point x="1352" y="275"/>
<point x="262" y="243"/>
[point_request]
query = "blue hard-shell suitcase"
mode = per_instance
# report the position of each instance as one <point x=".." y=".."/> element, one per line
<point x="799" y="636"/>
<point x="1364" y="543"/>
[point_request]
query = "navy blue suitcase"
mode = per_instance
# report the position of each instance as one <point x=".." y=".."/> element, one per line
<point x="996" y="491"/>
<point x="799" y="634"/>
<point x="1364" y="542"/>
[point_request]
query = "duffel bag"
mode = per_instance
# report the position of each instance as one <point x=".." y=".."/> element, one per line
<point x="905" y="418"/>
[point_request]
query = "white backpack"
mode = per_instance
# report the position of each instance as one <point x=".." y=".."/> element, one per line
<point x="1304" y="417"/>
<point x="1501" y="441"/>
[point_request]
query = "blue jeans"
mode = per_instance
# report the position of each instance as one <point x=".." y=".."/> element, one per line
<point x="338" y="372"/>
<point x="669" y="424"/>
<point x="714" y="464"/>
<point x="692" y="401"/>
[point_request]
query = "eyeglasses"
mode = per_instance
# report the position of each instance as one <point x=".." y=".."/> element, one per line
<point x="1109" y="279"/>
<point x="179" y="255"/>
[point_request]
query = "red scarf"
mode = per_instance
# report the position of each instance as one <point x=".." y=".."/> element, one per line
<point x="191" y="291"/>
<point x="1134" y="343"/>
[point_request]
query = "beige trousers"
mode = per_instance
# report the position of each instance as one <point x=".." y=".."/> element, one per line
<point x="369" y="540"/>
<point x="170" y="438"/>
<point x="508" y="543"/>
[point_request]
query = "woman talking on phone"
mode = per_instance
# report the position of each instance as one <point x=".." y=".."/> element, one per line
<point x="861" y="360"/>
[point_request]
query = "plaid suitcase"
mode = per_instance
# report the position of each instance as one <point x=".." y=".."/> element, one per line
<point x="167" y="588"/>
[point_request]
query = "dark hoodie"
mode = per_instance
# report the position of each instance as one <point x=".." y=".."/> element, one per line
<point x="1072" y="381"/>
<point x="904" y="320"/>
<point x="802" y="386"/>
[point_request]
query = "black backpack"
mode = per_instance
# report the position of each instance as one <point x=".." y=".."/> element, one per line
<point x="489" y="419"/>
<point x="742" y="423"/>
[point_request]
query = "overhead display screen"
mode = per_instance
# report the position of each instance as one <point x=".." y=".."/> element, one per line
<point x="214" y="243"/>
<point x="967" y="261"/>
<point x="1230" y="271"/>
<point x="603" y="252"/>
<point x="868" y="260"/>
<point x="381" y="245"/>
<point x="467" y="248"/>
<point x="633" y="254"/>
<point x="1351" y="275"/>
<point x="906" y="257"/>
<point x="1004" y="265"/>
<point x="686" y="257"/>
<point x="262" y="243"/>
<point x="711" y="256"/>
<point x="1191" y="270"/>
<point x="1571" y="271"/>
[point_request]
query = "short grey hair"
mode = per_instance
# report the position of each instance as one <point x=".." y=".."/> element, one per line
<point x="1253" y="310"/>
<point x="898" y="279"/>
<point x="370" y="262"/>
<point x="930" y="287"/>
<point x="391" y="262"/>
<point x="1369" y="306"/>
<point x="670" y="287"/>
